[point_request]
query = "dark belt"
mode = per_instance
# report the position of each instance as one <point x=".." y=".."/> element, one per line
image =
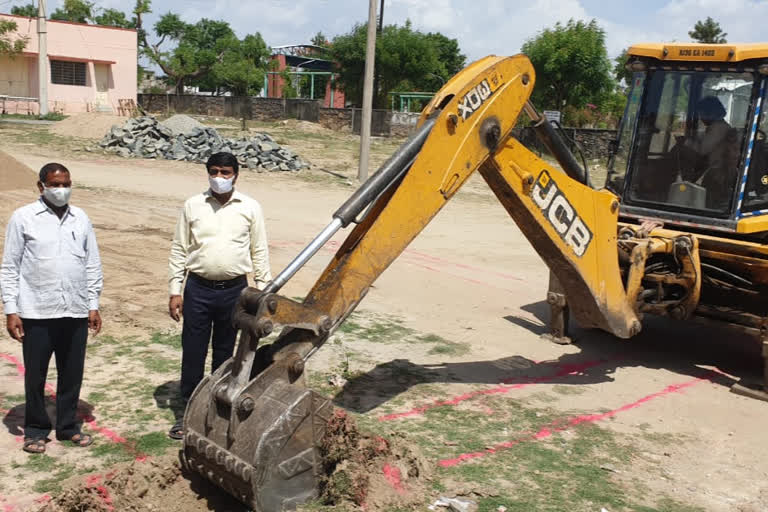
<point x="219" y="285"/>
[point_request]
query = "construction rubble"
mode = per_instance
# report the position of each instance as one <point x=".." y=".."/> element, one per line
<point x="145" y="137"/>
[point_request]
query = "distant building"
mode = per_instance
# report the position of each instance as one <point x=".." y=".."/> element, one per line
<point x="312" y="74"/>
<point x="151" y="83"/>
<point x="90" y="68"/>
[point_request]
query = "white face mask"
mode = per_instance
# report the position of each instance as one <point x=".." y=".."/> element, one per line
<point x="57" y="196"/>
<point x="221" y="185"/>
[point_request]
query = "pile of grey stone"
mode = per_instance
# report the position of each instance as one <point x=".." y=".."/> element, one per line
<point x="145" y="137"/>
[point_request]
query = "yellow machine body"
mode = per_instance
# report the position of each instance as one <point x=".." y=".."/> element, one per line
<point x="253" y="427"/>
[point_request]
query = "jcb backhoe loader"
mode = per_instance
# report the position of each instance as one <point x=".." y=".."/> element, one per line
<point x="679" y="229"/>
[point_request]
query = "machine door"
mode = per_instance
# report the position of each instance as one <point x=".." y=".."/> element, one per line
<point x="689" y="141"/>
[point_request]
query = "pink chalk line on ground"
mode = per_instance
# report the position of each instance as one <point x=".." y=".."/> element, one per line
<point x="565" y="370"/>
<point x="88" y="419"/>
<point x="561" y="425"/>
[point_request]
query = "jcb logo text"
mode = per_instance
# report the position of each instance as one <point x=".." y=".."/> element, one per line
<point x="561" y="214"/>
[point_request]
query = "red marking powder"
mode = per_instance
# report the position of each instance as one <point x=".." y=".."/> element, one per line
<point x="13" y="360"/>
<point x="105" y="497"/>
<point x="393" y="476"/>
<point x="559" y="426"/>
<point x="564" y="371"/>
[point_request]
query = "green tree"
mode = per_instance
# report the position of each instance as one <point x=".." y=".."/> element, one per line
<point x="10" y="43"/>
<point x="319" y="39"/>
<point x="450" y="58"/>
<point x="708" y="31"/>
<point x="572" y="65"/>
<point x="242" y="66"/>
<point x="79" y="11"/>
<point x="113" y="18"/>
<point x="207" y="54"/>
<point x="405" y="59"/>
<point x="620" y="71"/>
<point x="28" y="10"/>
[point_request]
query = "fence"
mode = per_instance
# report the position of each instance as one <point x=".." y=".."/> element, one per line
<point x="384" y="123"/>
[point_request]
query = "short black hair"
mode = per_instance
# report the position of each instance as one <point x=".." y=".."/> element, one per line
<point x="710" y="108"/>
<point x="51" y="168"/>
<point x="223" y="159"/>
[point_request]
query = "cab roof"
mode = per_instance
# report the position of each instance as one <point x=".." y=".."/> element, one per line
<point x="700" y="52"/>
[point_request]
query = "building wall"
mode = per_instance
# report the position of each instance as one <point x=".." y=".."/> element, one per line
<point x="109" y="53"/>
<point x="275" y="84"/>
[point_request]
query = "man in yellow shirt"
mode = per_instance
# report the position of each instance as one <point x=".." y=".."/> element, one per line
<point x="220" y="238"/>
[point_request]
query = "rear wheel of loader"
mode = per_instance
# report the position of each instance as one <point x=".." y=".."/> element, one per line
<point x="265" y="452"/>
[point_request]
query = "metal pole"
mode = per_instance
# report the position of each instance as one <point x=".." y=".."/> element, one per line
<point x="365" y="128"/>
<point x="332" y="86"/>
<point x="42" y="58"/>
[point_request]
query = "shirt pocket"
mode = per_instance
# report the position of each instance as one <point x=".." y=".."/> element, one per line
<point x="74" y="242"/>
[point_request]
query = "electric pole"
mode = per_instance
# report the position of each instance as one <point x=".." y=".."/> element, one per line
<point x="378" y="35"/>
<point x="365" y="127"/>
<point x="42" y="58"/>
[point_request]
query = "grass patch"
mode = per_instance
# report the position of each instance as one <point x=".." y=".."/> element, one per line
<point x="38" y="463"/>
<point x="159" y="365"/>
<point x="378" y="328"/>
<point x="155" y="443"/>
<point x="443" y="346"/>
<point x="50" y="116"/>
<point x="568" y="390"/>
<point x="96" y="397"/>
<point x="169" y="339"/>
<point x="53" y="483"/>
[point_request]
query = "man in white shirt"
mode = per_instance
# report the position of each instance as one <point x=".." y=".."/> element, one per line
<point x="51" y="280"/>
<point x="220" y="238"/>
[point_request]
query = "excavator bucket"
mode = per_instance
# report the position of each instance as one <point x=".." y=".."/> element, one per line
<point x="264" y="451"/>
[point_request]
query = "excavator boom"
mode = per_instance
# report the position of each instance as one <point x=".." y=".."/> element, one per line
<point x="253" y="427"/>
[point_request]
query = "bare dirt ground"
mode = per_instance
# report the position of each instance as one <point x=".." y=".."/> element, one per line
<point x="444" y="350"/>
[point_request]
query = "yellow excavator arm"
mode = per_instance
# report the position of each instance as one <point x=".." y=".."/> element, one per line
<point x="253" y="426"/>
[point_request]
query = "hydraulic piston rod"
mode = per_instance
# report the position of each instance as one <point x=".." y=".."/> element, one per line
<point x="387" y="175"/>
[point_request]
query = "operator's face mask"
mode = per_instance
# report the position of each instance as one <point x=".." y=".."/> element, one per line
<point x="57" y="196"/>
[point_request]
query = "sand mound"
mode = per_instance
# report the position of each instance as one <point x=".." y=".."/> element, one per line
<point x="369" y="471"/>
<point x="14" y="175"/>
<point x="89" y="125"/>
<point x="154" y="485"/>
<point x="304" y="126"/>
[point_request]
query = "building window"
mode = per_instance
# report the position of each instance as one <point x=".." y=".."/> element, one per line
<point x="67" y="73"/>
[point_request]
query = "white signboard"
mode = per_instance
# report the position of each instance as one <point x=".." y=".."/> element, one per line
<point x="552" y="115"/>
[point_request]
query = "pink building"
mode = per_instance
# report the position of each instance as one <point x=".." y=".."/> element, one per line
<point x="90" y="68"/>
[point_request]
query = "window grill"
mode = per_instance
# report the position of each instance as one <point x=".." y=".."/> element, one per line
<point x="67" y="73"/>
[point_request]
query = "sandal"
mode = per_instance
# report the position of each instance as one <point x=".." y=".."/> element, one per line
<point x="81" y="440"/>
<point x="177" y="430"/>
<point x="34" y="445"/>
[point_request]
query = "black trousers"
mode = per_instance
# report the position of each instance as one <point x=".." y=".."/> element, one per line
<point x="66" y="339"/>
<point x="205" y="310"/>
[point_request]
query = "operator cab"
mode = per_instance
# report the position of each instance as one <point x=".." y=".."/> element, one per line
<point x="692" y="146"/>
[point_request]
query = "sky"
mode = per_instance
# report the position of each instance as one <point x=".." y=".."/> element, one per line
<point x="482" y="27"/>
